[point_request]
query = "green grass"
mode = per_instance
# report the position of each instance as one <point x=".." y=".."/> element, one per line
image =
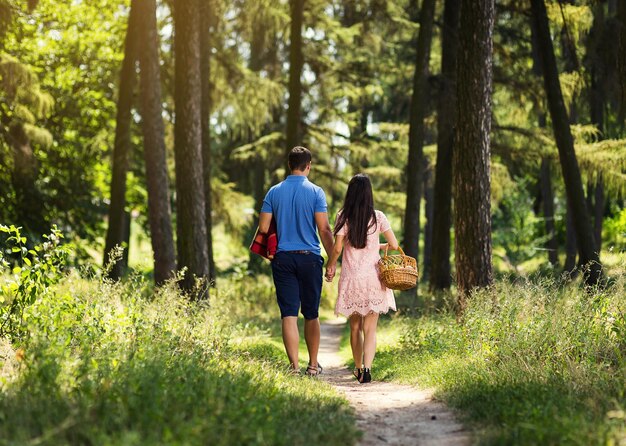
<point x="121" y="365"/>
<point x="532" y="362"/>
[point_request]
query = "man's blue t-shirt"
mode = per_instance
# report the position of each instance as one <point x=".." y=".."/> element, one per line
<point x="293" y="203"/>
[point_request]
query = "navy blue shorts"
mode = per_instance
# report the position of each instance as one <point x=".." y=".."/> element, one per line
<point x="298" y="281"/>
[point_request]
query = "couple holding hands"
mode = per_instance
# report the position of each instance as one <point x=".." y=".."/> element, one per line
<point x="299" y="209"/>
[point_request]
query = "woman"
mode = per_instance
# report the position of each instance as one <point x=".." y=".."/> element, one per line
<point x="362" y="296"/>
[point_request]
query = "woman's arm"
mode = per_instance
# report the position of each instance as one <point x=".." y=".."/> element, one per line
<point x="331" y="266"/>
<point x="391" y="240"/>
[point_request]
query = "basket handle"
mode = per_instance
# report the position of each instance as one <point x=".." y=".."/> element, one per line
<point x="399" y="249"/>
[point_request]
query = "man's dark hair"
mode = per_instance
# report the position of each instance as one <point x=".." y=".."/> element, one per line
<point x="299" y="157"/>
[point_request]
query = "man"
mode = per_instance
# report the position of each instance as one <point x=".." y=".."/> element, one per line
<point x="299" y="207"/>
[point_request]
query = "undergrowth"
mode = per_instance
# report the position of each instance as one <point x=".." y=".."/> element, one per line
<point x="532" y="362"/>
<point x="121" y="364"/>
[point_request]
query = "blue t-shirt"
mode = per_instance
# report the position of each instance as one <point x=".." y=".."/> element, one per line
<point x="293" y="203"/>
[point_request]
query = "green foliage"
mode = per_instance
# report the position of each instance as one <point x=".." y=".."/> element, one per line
<point x="614" y="231"/>
<point x="516" y="228"/>
<point x="532" y="362"/>
<point x="123" y="364"/>
<point x="32" y="272"/>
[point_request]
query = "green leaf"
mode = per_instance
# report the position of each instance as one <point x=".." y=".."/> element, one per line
<point x="27" y="261"/>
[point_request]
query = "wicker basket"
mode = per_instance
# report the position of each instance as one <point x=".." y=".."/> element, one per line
<point x="398" y="272"/>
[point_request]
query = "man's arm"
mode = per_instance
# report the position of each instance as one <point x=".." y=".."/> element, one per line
<point x="265" y="218"/>
<point x="323" y="228"/>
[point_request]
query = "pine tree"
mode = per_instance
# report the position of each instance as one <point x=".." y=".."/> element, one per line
<point x="190" y="201"/>
<point x="118" y="217"/>
<point x="159" y="212"/>
<point x="569" y="164"/>
<point x="471" y="158"/>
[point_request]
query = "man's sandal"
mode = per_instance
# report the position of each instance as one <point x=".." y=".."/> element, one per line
<point x="314" y="370"/>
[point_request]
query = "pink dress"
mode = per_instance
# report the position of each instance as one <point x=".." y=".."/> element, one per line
<point x="360" y="289"/>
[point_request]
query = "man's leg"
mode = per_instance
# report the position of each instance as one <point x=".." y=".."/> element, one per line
<point x="310" y="287"/>
<point x="291" y="339"/>
<point x="288" y="297"/>
<point x="312" y="338"/>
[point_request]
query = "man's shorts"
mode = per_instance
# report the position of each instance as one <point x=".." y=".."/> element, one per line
<point x="298" y="280"/>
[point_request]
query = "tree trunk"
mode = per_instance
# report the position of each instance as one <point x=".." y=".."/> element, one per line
<point x="621" y="62"/>
<point x="122" y="147"/>
<point x="190" y="202"/>
<point x="548" y="211"/>
<point x="598" y="213"/>
<point x="419" y="104"/>
<point x="470" y="163"/>
<point x="206" y="15"/>
<point x="28" y="209"/>
<point x="545" y="178"/>
<point x="597" y="99"/>
<point x="296" y="62"/>
<point x="440" y="276"/>
<point x="428" y="226"/>
<point x="571" y="247"/>
<point x="159" y="211"/>
<point x="569" y="164"/>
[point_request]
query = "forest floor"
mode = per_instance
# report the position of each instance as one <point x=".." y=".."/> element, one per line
<point x="388" y="413"/>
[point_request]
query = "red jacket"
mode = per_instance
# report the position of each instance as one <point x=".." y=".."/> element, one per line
<point x="265" y="245"/>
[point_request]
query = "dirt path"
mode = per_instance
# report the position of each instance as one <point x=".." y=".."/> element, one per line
<point x="387" y="413"/>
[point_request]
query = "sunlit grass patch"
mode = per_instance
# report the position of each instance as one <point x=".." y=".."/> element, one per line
<point x="534" y="361"/>
<point x="118" y="364"/>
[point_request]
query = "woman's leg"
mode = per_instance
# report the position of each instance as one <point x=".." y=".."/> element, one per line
<point x="356" y="339"/>
<point x="369" y="344"/>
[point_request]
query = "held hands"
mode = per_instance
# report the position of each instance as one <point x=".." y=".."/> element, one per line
<point x="330" y="272"/>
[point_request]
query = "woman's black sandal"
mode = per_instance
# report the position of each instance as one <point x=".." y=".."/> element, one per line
<point x="366" y="376"/>
<point x="357" y="374"/>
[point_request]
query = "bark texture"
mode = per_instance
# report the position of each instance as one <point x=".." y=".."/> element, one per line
<point x="190" y="201"/>
<point x="122" y="146"/>
<point x="547" y="200"/>
<point x="428" y="225"/>
<point x="159" y="211"/>
<point x="419" y="103"/>
<point x="296" y="62"/>
<point x="472" y="176"/>
<point x="545" y="178"/>
<point x="440" y="275"/>
<point x="569" y="164"/>
<point x="206" y="18"/>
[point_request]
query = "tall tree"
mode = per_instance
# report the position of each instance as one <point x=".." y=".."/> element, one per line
<point x="471" y="157"/>
<point x="440" y="277"/>
<point x="417" y="111"/>
<point x="545" y="172"/>
<point x="296" y="63"/>
<point x="565" y="144"/>
<point x="428" y="225"/>
<point x="116" y="230"/>
<point x="190" y="201"/>
<point x="159" y="212"/>
<point x="206" y="18"/>
<point x="597" y="98"/>
<point x="621" y="63"/>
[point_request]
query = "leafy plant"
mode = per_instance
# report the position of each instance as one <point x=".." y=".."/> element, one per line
<point x="32" y="272"/>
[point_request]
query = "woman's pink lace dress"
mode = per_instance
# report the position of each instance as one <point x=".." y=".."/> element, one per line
<point x="360" y="289"/>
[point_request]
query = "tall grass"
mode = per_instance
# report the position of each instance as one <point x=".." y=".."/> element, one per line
<point x="121" y="364"/>
<point x="534" y="361"/>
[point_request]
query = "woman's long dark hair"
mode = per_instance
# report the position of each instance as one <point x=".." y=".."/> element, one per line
<point x="358" y="211"/>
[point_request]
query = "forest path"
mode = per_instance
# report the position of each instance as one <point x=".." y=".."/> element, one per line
<point x="388" y="413"/>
